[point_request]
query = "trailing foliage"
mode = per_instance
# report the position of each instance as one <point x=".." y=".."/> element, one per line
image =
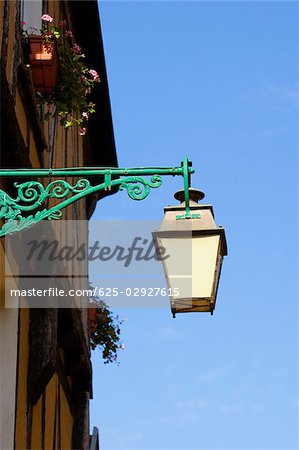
<point x="69" y="100"/>
<point x="106" y="330"/>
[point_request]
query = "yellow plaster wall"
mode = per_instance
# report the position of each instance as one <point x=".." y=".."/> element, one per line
<point x="21" y="413"/>
<point x="36" y="434"/>
<point x="50" y="411"/>
<point x="21" y="116"/>
<point x="11" y="40"/>
<point x="67" y="423"/>
<point x="2" y="273"/>
<point x="8" y="354"/>
<point x="74" y="157"/>
<point x="50" y="435"/>
<point x="28" y="137"/>
<point x="33" y="155"/>
<point x="66" y="420"/>
<point x="1" y="23"/>
<point x="54" y="10"/>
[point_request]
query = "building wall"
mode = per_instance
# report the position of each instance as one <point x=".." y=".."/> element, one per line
<point x="8" y="357"/>
<point x="45" y="364"/>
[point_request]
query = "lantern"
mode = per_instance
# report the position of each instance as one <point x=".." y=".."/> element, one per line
<point x="193" y="250"/>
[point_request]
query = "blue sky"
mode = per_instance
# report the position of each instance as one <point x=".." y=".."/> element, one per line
<point x="216" y="81"/>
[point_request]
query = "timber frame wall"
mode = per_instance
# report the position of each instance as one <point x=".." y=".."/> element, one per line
<point x="46" y="375"/>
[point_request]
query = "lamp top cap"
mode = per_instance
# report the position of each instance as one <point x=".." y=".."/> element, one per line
<point x="194" y="194"/>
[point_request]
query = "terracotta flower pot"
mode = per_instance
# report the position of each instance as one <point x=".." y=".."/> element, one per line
<point x="44" y="64"/>
<point x="92" y="318"/>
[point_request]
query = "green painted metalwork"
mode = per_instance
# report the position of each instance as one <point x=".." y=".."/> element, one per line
<point x="186" y="164"/>
<point x="30" y="205"/>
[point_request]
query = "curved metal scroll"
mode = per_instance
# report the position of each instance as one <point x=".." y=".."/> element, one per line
<point x="32" y="195"/>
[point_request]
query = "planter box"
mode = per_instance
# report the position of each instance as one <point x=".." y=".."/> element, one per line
<point x="44" y="64"/>
<point x="92" y="318"/>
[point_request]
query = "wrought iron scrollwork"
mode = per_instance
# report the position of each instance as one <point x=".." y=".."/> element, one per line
<point x="30" y="206"/>
<point x="139" y="188"/>
<point x="31" y="196"/>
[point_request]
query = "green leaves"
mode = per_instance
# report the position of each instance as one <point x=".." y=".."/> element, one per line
<point x="77" y="57"/>
<point x="106" y="332"/>
<point x="75" y="81"/>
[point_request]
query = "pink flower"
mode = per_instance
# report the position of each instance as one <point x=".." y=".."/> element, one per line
<point x="87" y="91"/>
<point x="85" y="115"/>
<point x="62" y="23"/>
<point x="122" y="346"/>
<point x="94" y="74"/>
<point x="47" y="18"/>
<point x="69" y="34"/>
<point x="82" y="131"/>
<point x="76" y="49"/>
<point x="22" y="23"/>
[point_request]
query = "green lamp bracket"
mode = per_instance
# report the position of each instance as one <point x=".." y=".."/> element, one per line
<point x="31" y="204"/>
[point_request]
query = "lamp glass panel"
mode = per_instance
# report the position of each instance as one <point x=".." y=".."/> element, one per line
<point x="190" y="267"/>
<point x="204" y="263"/>
<point x="178" y="265"/>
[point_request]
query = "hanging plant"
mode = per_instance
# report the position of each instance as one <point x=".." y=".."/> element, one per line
<point x="75" y="80"/>
<point x="105" y="329"/>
